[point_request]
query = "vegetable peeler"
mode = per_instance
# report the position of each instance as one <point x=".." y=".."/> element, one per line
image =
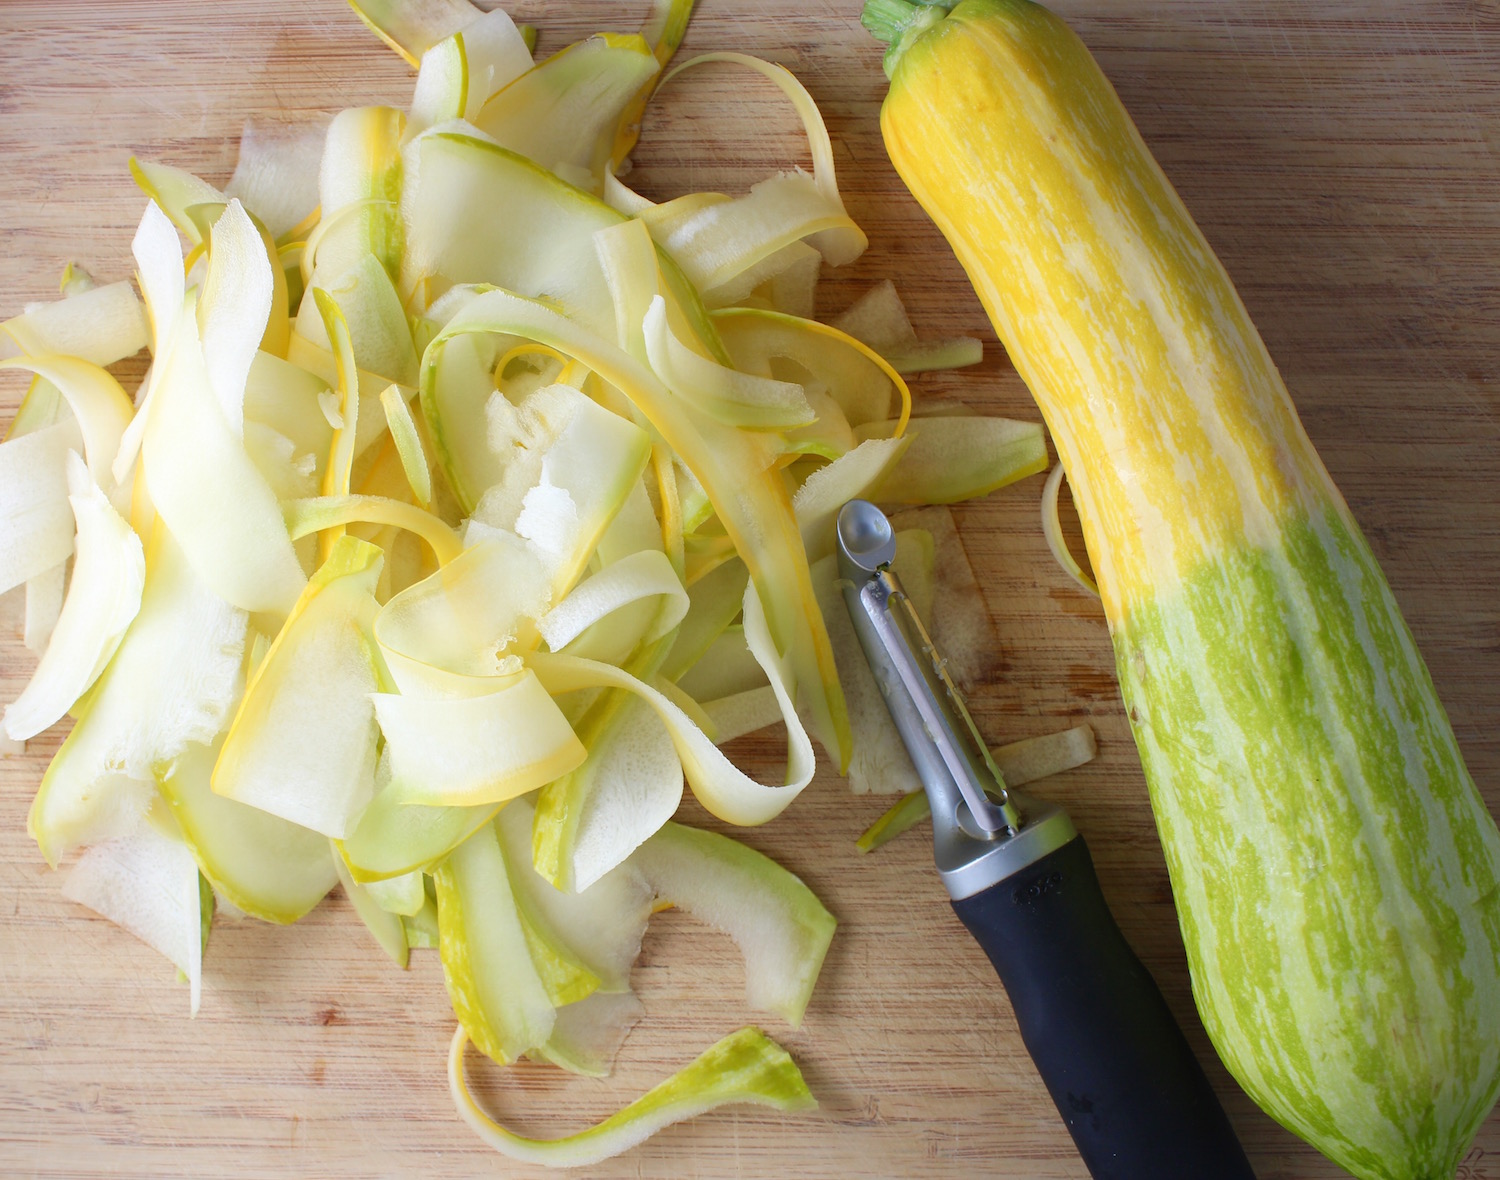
<point x="1021" y="879"/>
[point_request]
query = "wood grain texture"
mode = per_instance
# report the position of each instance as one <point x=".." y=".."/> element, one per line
<point x="1344" y="160"/>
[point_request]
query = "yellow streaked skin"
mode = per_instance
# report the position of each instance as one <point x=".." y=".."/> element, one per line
<point x="1174" y="425"/>
<point x="1336" y="872"/>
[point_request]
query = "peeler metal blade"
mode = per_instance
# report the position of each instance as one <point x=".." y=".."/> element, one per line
<point x="982" y="832"/>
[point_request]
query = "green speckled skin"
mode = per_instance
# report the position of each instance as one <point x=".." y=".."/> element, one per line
<point x="1336" y="871"/>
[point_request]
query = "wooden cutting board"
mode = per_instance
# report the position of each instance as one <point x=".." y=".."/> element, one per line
<point x="1343" y="158"/>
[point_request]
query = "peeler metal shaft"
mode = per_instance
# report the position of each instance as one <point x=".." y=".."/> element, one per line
<point x="982" y="833"/>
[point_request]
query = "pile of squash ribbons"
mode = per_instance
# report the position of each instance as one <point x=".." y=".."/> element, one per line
<point x="470" y="503"/>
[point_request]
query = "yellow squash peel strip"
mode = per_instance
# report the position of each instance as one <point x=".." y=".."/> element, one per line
<point x="746" y="1066"/>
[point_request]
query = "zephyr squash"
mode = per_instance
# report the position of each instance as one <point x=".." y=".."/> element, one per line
<point x="1337" y="874"/>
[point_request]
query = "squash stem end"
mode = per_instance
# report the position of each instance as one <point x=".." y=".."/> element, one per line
<point x="897" y="23"/>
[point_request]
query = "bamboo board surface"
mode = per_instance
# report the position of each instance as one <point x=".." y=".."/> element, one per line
<point x="1343" y="158"/>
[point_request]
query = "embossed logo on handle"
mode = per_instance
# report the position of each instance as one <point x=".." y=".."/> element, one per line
<point x="1034" y="891"/>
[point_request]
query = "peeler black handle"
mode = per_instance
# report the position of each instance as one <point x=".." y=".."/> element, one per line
<point x="1119" y="1069"/>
